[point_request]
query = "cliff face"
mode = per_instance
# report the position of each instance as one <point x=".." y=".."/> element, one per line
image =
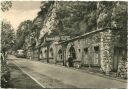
<point x="77" y="18"/>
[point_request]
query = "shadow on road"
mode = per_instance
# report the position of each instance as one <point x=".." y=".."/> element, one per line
<point x="21" y="80"/>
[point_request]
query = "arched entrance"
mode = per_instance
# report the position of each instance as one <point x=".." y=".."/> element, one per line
<point x="72" y="52"/>
<point x="60" y="54"/>
<point x="45" y="54"/>
<point x="51" y="52"/>
<point x="41" y="54"/>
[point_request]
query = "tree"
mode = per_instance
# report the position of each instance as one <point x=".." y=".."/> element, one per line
<point x="24" y="29"/>
<point x="5" y="5"/>
<point x="74" y="19"/>
<point x="77" y="18"/>
<point x="7" y="32"/>
<point x="7" y="36"/>
<point x="111" y="14"/>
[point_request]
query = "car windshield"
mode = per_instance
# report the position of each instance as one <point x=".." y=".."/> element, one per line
<point x="20" y="51"/>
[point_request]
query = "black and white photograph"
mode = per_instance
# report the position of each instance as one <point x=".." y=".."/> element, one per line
<point x="63" y="44"/>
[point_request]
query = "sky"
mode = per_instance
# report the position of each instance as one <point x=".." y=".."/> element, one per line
<point x="21" y="11"/>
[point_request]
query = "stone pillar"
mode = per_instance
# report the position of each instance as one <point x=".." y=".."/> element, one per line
<point x="64" y="53"/>
<point x="47" y="53"/>
<point x="106" y="51"/>
<point x="55" y="53"/>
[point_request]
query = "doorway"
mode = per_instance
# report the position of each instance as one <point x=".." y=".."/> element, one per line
<point x="117" y="57"/>
<point x="96" y="59"/>
<point x="85" y="56"/>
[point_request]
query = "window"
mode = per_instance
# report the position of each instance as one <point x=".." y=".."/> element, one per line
<point x="86" y="50"/>
<point x="61" y="57"/>
<point x="79" y="50"/>
<point x="51" y="49"/>
<point x="45" y="51"/>
<point x="96" y="48"/>
<point x="72" y="52"/>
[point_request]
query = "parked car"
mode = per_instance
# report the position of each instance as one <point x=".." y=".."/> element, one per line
<point x="20" y="54"/>
<point x="5" y="72"/>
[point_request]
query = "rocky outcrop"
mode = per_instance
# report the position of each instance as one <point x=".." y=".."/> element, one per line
<point x="122" y="68"/>
<point x="106" y="51"/>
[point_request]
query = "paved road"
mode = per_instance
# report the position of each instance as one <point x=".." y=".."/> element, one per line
<point x="67" y="76"/>
<point x="20" y="80"/>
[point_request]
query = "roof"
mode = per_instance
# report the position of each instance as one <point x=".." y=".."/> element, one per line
<point x="86" y="34"/>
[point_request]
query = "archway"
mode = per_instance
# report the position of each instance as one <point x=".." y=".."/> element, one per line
<point x="72" y="52"/>
<point x="45" y="54"/>
<point x="60" y="54"/>
<point x="51" y="52"/>
<point x="41" y="54"/>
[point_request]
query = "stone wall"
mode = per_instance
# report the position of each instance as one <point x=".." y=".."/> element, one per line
<point x="95" y="49"/>
<point x="122" y="68"/>
<point x="113" y="48"/>
<point x="53" y="49"/>
<point x="106" y="51"/>
<point x="35" y="54"/>
<point x="89" y="42"/>
<point x="120" y="37"/>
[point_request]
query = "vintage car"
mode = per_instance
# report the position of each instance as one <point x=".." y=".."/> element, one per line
<point x="20" y="54"/>
<point x="5" y="72"/>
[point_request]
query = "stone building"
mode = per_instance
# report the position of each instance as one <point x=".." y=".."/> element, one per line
<point x="100" y="48"/>
<point x="104" y="48"/>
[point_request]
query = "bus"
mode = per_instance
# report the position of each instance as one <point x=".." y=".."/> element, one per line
<point x="20" y="54"/>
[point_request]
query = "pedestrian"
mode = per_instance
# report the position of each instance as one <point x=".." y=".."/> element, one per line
<point x="70" y="61"/>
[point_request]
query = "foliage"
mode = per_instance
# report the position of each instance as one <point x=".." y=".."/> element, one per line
<point x="77" y="18"/>
<point x="111" y="14"/>
<point x="72" y="16"/>
<point x="24" y="29"/>
<point x="45" y="7"/>
<point x="119" y="15"/>
<point x="39" y="21"/>
<point x="5" y="5"/>
<point x="7" y="36"/>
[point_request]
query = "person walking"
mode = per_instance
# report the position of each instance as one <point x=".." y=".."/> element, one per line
<point x="70" y="61"/>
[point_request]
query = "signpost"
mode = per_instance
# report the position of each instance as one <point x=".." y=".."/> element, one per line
<point x="62" y="38"/>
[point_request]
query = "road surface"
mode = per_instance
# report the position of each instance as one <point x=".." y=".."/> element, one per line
<point x="20" y="80"/>
<point x="69" y="77"/>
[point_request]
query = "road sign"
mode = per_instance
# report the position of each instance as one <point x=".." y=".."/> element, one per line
<point x="57" y="38"/>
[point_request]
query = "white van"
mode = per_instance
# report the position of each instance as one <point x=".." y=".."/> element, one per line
<point x="20" y="53"/>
